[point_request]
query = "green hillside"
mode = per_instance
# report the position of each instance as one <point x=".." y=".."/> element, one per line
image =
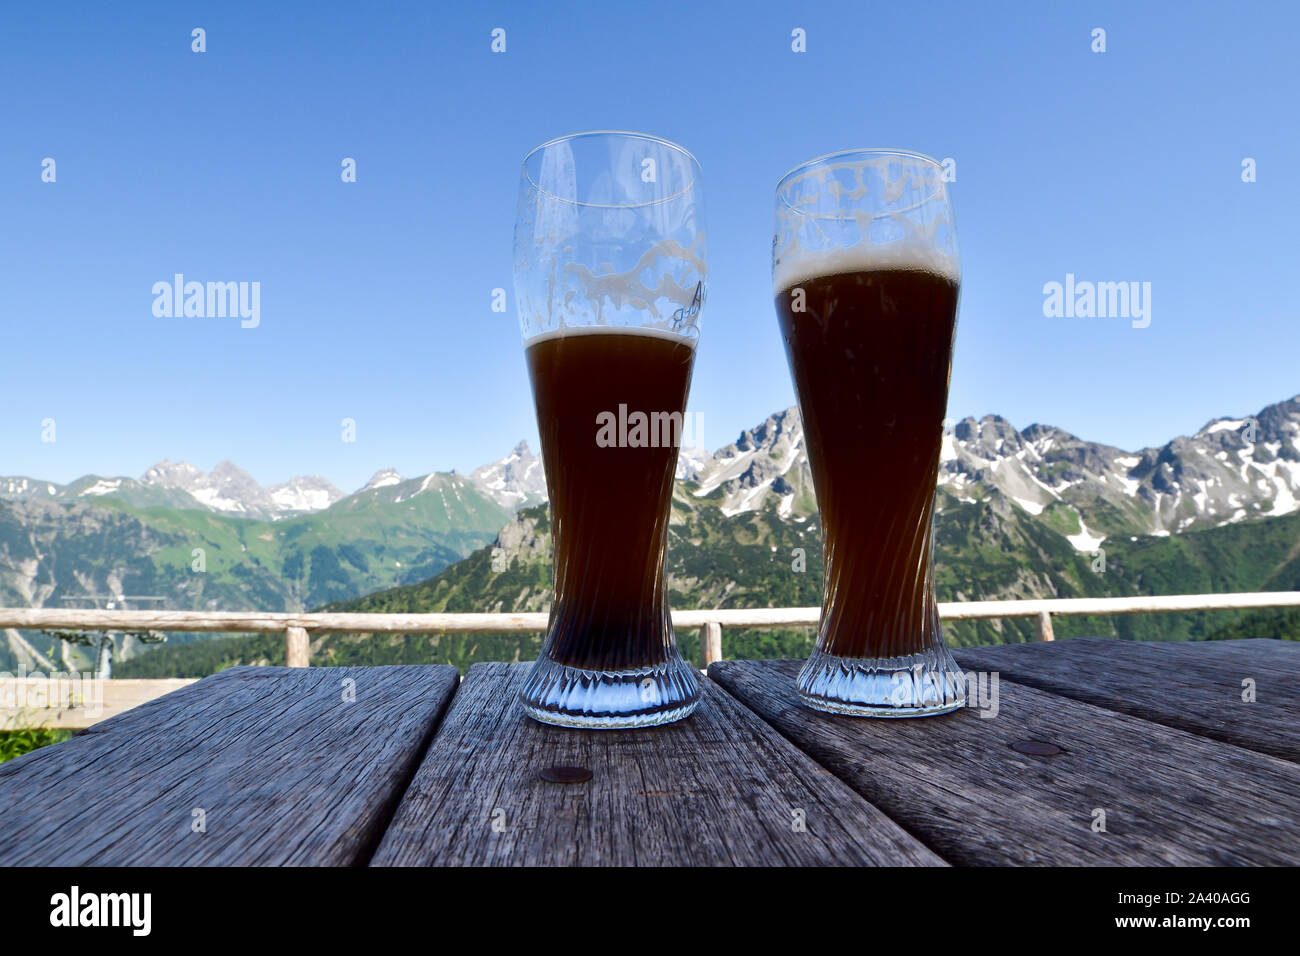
<point x="984" y="550"/>
<point x="199" y="559"/>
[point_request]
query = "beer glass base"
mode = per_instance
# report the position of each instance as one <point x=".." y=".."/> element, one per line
<point x="610" y="700"/>
<point x="917" y="685"/>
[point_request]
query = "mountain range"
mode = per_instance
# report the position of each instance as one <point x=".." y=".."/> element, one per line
<point x="221" y="541"/>
<point x="986" y="548"/>
<point x="1232" y="469"/>
<point x="514" y="481"/>
<point x="1021" y="514"/>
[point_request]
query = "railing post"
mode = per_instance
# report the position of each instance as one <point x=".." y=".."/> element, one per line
<point x="297" y="647"/>
<point x="711" y="643"/>
<point x="1045" y="626"/>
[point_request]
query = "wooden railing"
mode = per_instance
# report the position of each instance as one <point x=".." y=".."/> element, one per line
<point x="298" y="628"/>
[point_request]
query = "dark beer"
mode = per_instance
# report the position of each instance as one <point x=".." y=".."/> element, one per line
<point x="871" y="355"/>
<point x="606" y="399"/>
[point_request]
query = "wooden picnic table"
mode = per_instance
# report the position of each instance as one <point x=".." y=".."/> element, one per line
<point x="410" y="766"/>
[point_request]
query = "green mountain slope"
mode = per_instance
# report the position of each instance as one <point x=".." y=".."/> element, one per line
<point x="199" y="559"/>
<point x="985" y="549"/>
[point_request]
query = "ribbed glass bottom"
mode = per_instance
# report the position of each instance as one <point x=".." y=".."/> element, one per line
<point x="918" y="685"/>
<point x="610" y="700"/>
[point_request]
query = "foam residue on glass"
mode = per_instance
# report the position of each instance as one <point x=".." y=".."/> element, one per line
<point x="861" y="211"/>
<point x="642" y="262"/>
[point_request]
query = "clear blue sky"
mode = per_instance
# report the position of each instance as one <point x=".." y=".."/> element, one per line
<point x="376" y="295"/>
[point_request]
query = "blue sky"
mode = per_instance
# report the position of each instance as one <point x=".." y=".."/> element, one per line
<point x="375" y="295"/>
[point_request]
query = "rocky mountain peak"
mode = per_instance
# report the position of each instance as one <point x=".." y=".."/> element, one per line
<point x="515" y="481"/>
<point x="171" y="475"/>
<point x="1217" y="476"/>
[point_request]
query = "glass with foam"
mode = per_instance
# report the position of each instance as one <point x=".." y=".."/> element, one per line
<point x="865" y="280"/>
<point x="610" y="273"/>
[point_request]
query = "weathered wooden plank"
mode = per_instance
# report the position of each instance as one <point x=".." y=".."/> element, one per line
<point x="255" y="765"/>
<point x="956" y="782"/>
<point x="717" y="788"/>
<point x="73" y="702"/>
<point x="1197" y="686"/>
<point x="255" y="621"/>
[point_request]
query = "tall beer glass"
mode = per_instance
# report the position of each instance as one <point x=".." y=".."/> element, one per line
<point x="610" y="272"/>
<point x="865" y="277"/>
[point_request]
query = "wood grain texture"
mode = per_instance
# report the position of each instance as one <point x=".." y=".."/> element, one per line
<point x="719" y="788"/>
<point x="1195" y="686"/>
<point x="954" y="781"/>
<point x="284" y="769"/>
<point x="322" y="622"/>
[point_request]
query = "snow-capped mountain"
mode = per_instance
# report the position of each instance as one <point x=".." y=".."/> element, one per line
<point x="231" y="490"/>
<point x="516" y="481"/>
<point x="303" y="493"/>
<point x="1230" y="470"/>
<point x="168" y="474"/>
<point x="383" y="478"/>
<point x="768" y="459"/>
<point x="690" y="462"/>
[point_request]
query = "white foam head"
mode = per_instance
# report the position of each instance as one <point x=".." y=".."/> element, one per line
<point x="798" y="265"/>
<point x="645" y="331"/>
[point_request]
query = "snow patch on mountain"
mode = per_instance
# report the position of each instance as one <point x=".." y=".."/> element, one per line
<point x="383" y="478"/>
<point x="690" y="463"/>
<point x="102" y="487"/>
<point x="1085" y="540"/>
<point x="1223" y="424"/>
<point x="17" y="487"/>
<point x="304" y="493"/>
